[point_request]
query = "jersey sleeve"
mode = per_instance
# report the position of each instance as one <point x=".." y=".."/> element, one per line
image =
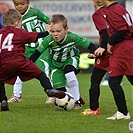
<point x="82" y="41"/>
<point x="43" y="46"/>
<point x="99" y="21"/>
<point x="43" y="17"/>
<point x="117" y="21"/>
<point x="29" y="37"/>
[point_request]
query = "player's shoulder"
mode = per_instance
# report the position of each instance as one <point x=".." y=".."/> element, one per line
<point x="35" y="10"/>
<point x="100" y="11"/>
<point x="71" y="36"/>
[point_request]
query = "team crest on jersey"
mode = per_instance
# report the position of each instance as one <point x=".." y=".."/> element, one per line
<point x="98" y="61"/>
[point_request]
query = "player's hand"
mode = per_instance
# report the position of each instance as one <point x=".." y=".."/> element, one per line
<point x="99" y="51"/>
<point x="90" y="55"/>
<point x="109" y="48"/>
<point x="48" y="28"/>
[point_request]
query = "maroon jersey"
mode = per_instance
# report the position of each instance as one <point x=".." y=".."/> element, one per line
<point x="99" y="19"/>
<point x="121" y="61"/>
<point x="13" y="63"/>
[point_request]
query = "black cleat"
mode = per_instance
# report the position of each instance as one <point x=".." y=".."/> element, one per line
<point x="55" y="93"/>
<point x="4" y="106"/>
<point x="82" y="101"/>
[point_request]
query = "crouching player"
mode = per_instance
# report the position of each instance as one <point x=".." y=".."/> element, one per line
<point x="64" y="56"/>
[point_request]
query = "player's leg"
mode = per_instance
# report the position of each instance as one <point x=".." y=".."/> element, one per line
<point x="43" y="64"/>
<point x="119" y="97"/>
<point x="130" y="79"/>
<point x="45" y="82"/>
<point x="94" y="91"/>
<point x="70" y="71"/>
<point x="72" y="81"/>
<point x="17" y="91"/>
<point x="105" y="82"/>
<point x="28" y="70"/>
<point x="73" y="85"/>
<point x="3" y="98"/>
<point x="59" y="82"/>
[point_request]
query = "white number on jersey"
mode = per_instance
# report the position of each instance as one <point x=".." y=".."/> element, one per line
<point x="7" y="43"/>
<point x="127" y="19"/>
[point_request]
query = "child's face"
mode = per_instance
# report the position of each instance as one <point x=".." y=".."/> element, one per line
<point x="21" y="5"/>
<point x="58" y="31"/>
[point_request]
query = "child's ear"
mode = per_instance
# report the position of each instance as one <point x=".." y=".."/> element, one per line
<point x="67" y="28"/>
<point x="16" y="23"/>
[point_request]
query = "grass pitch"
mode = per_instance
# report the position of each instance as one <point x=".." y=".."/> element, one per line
<point x="32" y="115"/>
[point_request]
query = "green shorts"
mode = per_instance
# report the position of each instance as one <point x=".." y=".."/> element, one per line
<point x="57" y="71"/>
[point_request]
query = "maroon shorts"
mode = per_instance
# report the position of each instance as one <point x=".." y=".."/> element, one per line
<point x="102" y="62"/>
<point x="18" y="65"/>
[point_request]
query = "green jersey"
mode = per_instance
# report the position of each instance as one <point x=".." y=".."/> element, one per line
<point x="33" y="21"/>
<point x="61" y="52"/>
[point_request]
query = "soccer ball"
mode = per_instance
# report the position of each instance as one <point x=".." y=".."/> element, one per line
<point x="66" y="103"/>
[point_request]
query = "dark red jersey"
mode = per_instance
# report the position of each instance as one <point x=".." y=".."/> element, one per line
<point x="14" y="39"/>
<point x="121" y="61"/>
<point x="99" y="19"/>
<point x="13" y="63"/>
<point x="119" y="19"/>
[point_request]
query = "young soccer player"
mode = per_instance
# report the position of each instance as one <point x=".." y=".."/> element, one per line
<point x="64" y="55"/>
<point x="32" y="20"/>
<point x="101" y="62"/>
<point x="13" y="62"/>
<point x="120" y="46"/>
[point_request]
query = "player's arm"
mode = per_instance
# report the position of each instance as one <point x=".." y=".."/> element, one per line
<point x="105" y="38"/>
<point x="43" y="17"/>
<point x="86" y="43"/>
<point x="103" y="46"/>
<point x="92" y="48"/>
<point x="35" y="55"/>
<point x="40" y="49"/>
<point x="117" y="37"/>
<point x="42" y="34"/>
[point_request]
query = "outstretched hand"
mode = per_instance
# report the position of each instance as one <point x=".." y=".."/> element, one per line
<point x="109" y="48"/>
<point x="90" y="55"/>
<point x="99" y="51"/>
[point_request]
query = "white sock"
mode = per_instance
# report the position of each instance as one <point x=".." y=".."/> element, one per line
<point x="73" y="85"/>
<point x="17" y="89"/>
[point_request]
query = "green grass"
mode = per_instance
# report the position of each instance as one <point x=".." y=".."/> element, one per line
<point x="32" y="115"/>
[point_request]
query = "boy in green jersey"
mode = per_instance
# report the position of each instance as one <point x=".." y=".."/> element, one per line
<point x="32" y="20"/>
<point x="65" y="56"/>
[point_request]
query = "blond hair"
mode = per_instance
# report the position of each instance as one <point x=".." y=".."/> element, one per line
<point x="27" y="1"/>
<point x="57" y="18"/>
<point x="98" y="2"/>
<point x="10" y="16"/>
